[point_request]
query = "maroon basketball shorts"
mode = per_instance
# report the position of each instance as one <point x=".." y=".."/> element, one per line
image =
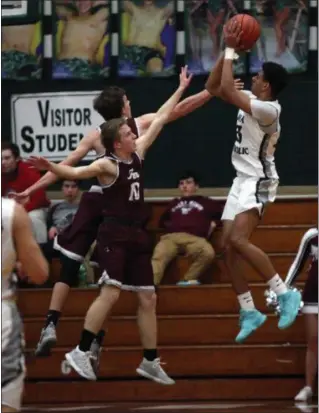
<point x="124" y="257"/>
<point x="310" y="293"/>
<point x="76" y="239"/>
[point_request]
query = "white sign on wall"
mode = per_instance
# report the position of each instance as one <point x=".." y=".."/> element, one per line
<point x="52" y="124"/>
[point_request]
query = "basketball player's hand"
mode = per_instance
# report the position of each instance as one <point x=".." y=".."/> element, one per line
<point x="184" y="78"/>
<point x="232" y="34"/>
<point x="22" y="197"/>
<point x="239" y="84"/>
<point x="40" y="163"/>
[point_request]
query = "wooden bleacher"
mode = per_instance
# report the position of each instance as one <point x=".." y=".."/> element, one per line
<point x="197" y="326"/>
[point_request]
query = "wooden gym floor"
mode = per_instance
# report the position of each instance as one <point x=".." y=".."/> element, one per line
<point x="214" y="407"/>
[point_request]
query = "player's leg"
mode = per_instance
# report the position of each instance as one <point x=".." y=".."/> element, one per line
<point x="164" y="252"/>
<point x="81" y="357"/>
<point x="253" y="196"/>
<point x="200" y="251"/>
<point x="73" y="243"/>
<point x="68" y="279"/>
<point x="250" y="318"/>
<point x="139" y="278"/>
<point x="112" y="264"/>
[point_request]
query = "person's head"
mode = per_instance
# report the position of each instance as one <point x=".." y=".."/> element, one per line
<point x="270" y="81"/>
<point x="112" y="103"/>
<point x="117" y="137"/>
<point x="188" y="183"/>
<point x="148" y="3"/>
<point x="10" y="156"/>
<point x="70" y="190"/>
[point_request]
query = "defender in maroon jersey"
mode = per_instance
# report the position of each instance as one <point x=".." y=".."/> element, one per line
<point x="75" y="241"/>
<point x="123" y="244"/>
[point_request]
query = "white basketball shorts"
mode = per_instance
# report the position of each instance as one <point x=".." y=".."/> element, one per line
<point x="248" y="193"/>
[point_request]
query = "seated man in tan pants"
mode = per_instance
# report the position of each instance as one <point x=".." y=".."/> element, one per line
<point x="189" y="222"/>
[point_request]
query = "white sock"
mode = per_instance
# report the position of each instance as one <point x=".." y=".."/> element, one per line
<point x="246" y="301"/>
<point x="277" y="285"/>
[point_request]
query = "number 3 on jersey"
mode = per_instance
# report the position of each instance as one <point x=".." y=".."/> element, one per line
<point x="134" y="191"/>
<point x="239" y="136"/>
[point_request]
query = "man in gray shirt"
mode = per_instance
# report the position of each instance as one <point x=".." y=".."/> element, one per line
<point x="61" y="214"/>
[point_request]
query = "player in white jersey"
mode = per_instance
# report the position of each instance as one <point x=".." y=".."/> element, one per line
<point x="18" y="245"/>
<point x="257" y="132"/>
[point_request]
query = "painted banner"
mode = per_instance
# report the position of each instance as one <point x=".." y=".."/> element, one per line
<point x="81" y="39"/>
<point x="284" y="34"/>
<point x="21" y="39"/>
<point x="147" y="38"/>
<point x="52" y="124"/>
<point x="204" y="21"/>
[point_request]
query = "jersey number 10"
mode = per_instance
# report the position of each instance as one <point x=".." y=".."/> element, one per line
<point x="134" y="191"/>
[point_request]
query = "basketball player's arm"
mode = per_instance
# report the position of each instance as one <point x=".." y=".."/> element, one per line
<point x="96" y="168"/>
<point x="263" y="112"/>
<point x="302" y="255"/>
<point x="182" y="109"/>
<point x="191" y="103"/>
<point x="28" y="251"/>
<point x="228" y="91"/>
<point x="85" y="145"/>
<point x="161" y="118"/>
<point x="213" y="82"/>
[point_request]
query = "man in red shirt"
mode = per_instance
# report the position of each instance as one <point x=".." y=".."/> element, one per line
<point x="16" y="176"/>
<point x="189" y="222"/>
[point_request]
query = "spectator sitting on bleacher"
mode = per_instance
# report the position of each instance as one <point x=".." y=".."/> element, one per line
<point x="189" y="222"/>
<point x="61" y="214"/>
<point x="16" y="176"/>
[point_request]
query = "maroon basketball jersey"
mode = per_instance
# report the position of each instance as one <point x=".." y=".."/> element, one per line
<point x="124" y="198"/>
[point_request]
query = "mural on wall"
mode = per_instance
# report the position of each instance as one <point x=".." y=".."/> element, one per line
<point x="81" y="39"/>
<point x="147" y="38"/>
<point x="204" y="21"/>
<point x="284" y="34"/>
<point x="21" y="39"/>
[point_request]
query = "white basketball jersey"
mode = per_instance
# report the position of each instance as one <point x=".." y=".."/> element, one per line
<point x="253" y="152"/>
<point x="8" y="250"/>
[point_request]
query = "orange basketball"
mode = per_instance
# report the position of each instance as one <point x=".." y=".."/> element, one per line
<point x="250" y="28"/>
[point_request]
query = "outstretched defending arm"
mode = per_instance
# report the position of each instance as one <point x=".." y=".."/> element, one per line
<point x="162" y="115"/>
<point x="191" y="103"/>
<point x="99" y="167"/>
<point x="85" y="145"/>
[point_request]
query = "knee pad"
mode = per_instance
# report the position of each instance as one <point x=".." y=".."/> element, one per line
<point x="69" y="271"/>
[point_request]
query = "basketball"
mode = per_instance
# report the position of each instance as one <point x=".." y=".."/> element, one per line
<point x="250" y="28"/>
